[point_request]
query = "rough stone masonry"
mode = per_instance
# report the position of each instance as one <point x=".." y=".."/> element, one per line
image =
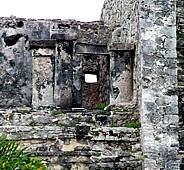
<point x="128" y="118"/>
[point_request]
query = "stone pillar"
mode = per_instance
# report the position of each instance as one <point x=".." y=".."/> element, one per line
<point x="42" y="78"/>
<point x="42" y="72"/>
<point x="159" y="103"/>
<point x="63" y="75"/>
<point x="77" y="84"/>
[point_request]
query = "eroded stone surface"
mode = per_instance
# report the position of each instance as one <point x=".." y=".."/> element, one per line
<point x="159" y="129"/>
<point x="132" y="52"/>
<point x="89" y="139"/>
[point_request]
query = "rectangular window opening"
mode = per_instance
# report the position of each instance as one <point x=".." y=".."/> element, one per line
<point x="90" y="78"/>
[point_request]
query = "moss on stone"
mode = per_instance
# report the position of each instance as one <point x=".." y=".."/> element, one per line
<point x="100" y="106"/>
<point x="133" y="124"/>
<point x="33" y="123"/>
<point x="57" y="112"/>
<point x="23" y="111"/>
<point x="157" y="138"/>
<point x="180" y="35"/>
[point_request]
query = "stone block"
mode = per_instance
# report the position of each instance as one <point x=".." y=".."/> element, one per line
<point x="42" y="43"/>
<point x="121" y="47"/>
<point x="65" y="36"/>
<point x="82" y="48"/>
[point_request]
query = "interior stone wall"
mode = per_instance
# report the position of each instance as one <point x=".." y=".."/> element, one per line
<point x="122" y="18"/>
<point x="29" y="46"/>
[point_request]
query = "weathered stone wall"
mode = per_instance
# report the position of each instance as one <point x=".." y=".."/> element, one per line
<point x="159" y="103"/>
<point x="41" y="60"/>
<point x="132" y="51"/>
<point x="50" y="58"/>
<point x="95" y="139"/>
<point x="122" y="18"/>
<point x="151" y="26"/>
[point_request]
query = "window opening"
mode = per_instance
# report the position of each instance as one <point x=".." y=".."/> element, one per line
<point x="90" y="78"/>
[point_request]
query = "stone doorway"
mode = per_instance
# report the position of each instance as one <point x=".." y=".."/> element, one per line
<point x="95" y="90"/>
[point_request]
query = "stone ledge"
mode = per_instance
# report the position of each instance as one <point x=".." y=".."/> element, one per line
<point x="86" y="48"/>
<point x="49" y="43"/>
<point x="65" y="36"/>
<point x="121" y="47"/>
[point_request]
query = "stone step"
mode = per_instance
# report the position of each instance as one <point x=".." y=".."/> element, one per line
<point x="119" y="134"/>
<point x="107" y="145"/>
<point x="180" y="84"/>
<point x="37" y="132"/>
<point x="67" y="118"/>
<point x="78" y="132"/>
<point x="97" y="139"/>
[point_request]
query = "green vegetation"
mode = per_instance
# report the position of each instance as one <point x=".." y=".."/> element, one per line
<point x="180" y="35"/>
<point x="104" y="107"/>
<point x="133" y="124"/>
<point x="95" y="133"/>
<point x="57" y="112"/>
<point x="145" y="156"/>
<point x="33" y="123"/>
<point x="157" y="138"/>
<point x="100" y="106"/>
<point x="12" y="157"/>
<point x="106" y="112"/>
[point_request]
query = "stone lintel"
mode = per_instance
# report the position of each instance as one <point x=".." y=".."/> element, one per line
<point x="121" y="47"/>
<point x="65" y="36"/>
<point x="48" y="43"/>
<point x="87" y="48"/>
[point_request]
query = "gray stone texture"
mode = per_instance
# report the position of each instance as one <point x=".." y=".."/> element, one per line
<point x="122" y="17"/>
<point x="132" y="51"/>
<point x="38" y="65"/>
<point x="94" y="139"/>
<point x="57" y="55"/>
<point x="151" y="26"/>
<point x="157" y="42"/>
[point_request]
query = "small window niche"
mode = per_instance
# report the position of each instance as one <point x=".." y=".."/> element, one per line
<point x="90" y="78"/>
<point x="90" y="90"/>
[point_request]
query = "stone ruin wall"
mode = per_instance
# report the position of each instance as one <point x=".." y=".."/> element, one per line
<point x="156" y="64"/>
<point x="122" y="16"/>
<point x="27" y="42"/>
<point x="43" y="67"/>
<point x="138" y="33"/>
